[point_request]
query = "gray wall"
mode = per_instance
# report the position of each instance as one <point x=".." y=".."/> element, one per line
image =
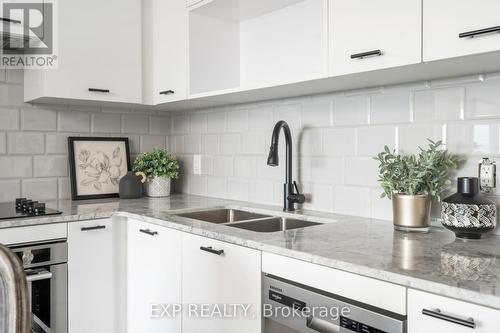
<point x="33" y="139"/>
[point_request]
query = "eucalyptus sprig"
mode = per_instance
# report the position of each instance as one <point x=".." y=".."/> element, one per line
<point x="156" y="163"/>
<point x="426" y="173"/>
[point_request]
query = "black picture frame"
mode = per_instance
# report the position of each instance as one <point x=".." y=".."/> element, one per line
<point x="72" y="165"/>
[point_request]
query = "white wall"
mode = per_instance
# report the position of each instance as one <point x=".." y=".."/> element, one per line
<point x="335" y="138"/>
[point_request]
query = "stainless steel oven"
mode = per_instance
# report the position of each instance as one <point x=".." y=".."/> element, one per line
<point x="46" y="270"/>
<point x="290" y="307"/>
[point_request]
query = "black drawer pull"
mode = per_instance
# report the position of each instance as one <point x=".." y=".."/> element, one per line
<point x="10" y="20"/>
<point x="148" y="232"/>
<point x="446" y="317"/>
<point x="474" y="33"/>
<point x="366" y="54"/>
<point x="99" y="90"/>
<point x="211" y="250"/>
<point x="97" y="227"/>
<point x="167" y="92"/>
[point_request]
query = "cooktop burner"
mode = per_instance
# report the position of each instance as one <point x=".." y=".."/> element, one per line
<point x="25" y="208"/>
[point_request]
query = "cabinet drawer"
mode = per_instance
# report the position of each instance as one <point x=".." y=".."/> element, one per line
<point x="445" y="20"/>
<point x="433" y="313"/>
<point x="33" y="233"/>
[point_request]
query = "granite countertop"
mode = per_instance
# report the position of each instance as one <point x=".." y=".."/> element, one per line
<point x="433" y="262"/>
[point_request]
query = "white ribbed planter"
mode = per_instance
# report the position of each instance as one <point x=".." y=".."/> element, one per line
<point x="158" y="187"/>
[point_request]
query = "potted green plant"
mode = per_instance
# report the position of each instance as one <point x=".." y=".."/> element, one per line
<point x="411" y="181"/>
<point x="160" y="167"/>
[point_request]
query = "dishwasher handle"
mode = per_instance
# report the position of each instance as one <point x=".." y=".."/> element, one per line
<point x="322" y="325"/>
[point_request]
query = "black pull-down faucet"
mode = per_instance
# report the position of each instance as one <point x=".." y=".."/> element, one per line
<point x="291" y="194"/>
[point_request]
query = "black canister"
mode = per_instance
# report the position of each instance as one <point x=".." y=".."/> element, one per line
<point x="467" y="213"/>
<point x="131" y="185"/>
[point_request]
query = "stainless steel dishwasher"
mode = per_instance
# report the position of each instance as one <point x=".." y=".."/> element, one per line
<point x="289" y="307"/>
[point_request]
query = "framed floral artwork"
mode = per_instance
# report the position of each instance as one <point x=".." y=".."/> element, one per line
<point x="97" y="165"/>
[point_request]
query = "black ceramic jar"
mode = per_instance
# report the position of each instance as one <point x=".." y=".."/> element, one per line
<point x="467" y="212"/>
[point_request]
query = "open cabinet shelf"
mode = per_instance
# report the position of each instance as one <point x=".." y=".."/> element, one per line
<point x="249" y="44"/>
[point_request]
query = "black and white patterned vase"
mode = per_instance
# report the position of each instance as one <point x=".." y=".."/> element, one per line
<point x="467" y="213"/>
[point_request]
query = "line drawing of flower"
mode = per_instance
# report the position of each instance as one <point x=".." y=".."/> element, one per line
<point x="99" y="169"/>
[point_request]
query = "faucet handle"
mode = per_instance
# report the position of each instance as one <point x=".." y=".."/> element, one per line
<point x="296" y="197"/>
<point x="296" y="187"/>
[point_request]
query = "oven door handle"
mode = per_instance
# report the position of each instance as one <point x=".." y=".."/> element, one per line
<point x="38" y="275"/>
<point x="322" y="325"/>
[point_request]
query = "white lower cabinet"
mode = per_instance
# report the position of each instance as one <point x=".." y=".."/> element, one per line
<point x="153" y="278"/>
<point x="95" y="274"/>
<point x="433" y="313"/>
<point x="215" y="275"/>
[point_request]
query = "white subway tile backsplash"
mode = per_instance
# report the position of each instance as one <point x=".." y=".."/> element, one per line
<point x="351" y="110"/>
<point x="40" y="188"/>
<point x="230" y="143"/>
<point x="216" y="122"/>
<point x="180" y="124"/>
<point x="9" y="118"/>
<point x="381" y="208"/>
<point x="63" y="188"/>
<point x="216" y="187"/>
<point x="25" y="143"/>
<point x="106" y="123"/>
<point x="150" y="142"/>
<point x="371" y="140"/>
<point x="50" y="166"/>
<point x="483" y="100"/>
<point x="255" y="143"/>
<point x="177" y="144"/>
<point x="74" y="121"/>
<point x="159" y="125"/>
<point x="11" y="189"/>
<point x="261" y="119"/>
<point x="291" y="113"/>
<point x="192" y="144"/>
<point x="198" y="185"/>
<point x="352" y="200"/>
<point x="310" y="142"/>
<point x="223" y="166"/>
<point x="317" y="114"/>
<point x="237" y="189"/>
<point x="135" y="124"/>
<point x="38" y="119"/>
<point x="390" y="108"/>
<point x="439" y="104"/>
<point x="362" y="171"/>
<point x="413" y="136"/>
<point x="3" y="143"/>
<point x="318" y="197"/>
<point x="261" y="191"/>
<point x="267" y="172"/>
<point x="16" y="166"/>
<point x="339" y="141"/>
<point x="245" y="166"/>
<point x="198" y="123"/>
<point x="327" y="170"/>
<point x="237" y="121"/>
<point x="476" y="139"/>
<point x="210" y="144"/>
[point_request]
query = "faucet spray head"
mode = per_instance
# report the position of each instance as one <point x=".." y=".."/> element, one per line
<point x="273" y="159"/>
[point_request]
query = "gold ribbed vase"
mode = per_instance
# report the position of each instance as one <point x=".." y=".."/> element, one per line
<point x="411" y="212"/>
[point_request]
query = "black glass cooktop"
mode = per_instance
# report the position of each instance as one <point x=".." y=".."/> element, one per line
<point x="25" y="208"/>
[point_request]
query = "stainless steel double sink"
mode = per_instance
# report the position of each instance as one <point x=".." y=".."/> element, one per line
<point x="248" y="220"/>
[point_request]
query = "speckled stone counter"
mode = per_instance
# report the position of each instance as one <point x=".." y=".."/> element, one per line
<point x="433" y="262"/>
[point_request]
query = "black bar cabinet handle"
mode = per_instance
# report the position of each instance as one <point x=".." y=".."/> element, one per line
<point x="148" y="232"/>
<point x="97" y="227"/>
<point x="366" y="54"/>
<point x="99" y="90"/>
<point x="167" y="92"/>
<point x="10" y="20"/>
<point x="446" y="317"/>
<point x="479" y="32"/>
<point x="211" y="250"/>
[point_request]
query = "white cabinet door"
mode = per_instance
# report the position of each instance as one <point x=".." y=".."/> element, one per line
<point x="215" y="274"/>
<point x="153" y="278"/>
<point x="98" y="52"/>
<point x="433" y="313"/>
<point x="165" y="51"/>
<point x="445" y="20"/>
<point x="94" y="277"/>
<point x="388" y="32"/>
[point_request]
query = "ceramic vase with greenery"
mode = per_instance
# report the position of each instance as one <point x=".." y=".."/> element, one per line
<point x="411" y="181"/>
<point x="160" y="167"/>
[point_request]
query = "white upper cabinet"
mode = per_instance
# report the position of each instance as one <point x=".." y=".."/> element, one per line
<point x="458" y="28"/>
<point x="376" y="34"/>
<point x="99" y="54"/>
<point x="154" y="277"/>
<point x="218" y="273"/>
<point x="165" y="42"/>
